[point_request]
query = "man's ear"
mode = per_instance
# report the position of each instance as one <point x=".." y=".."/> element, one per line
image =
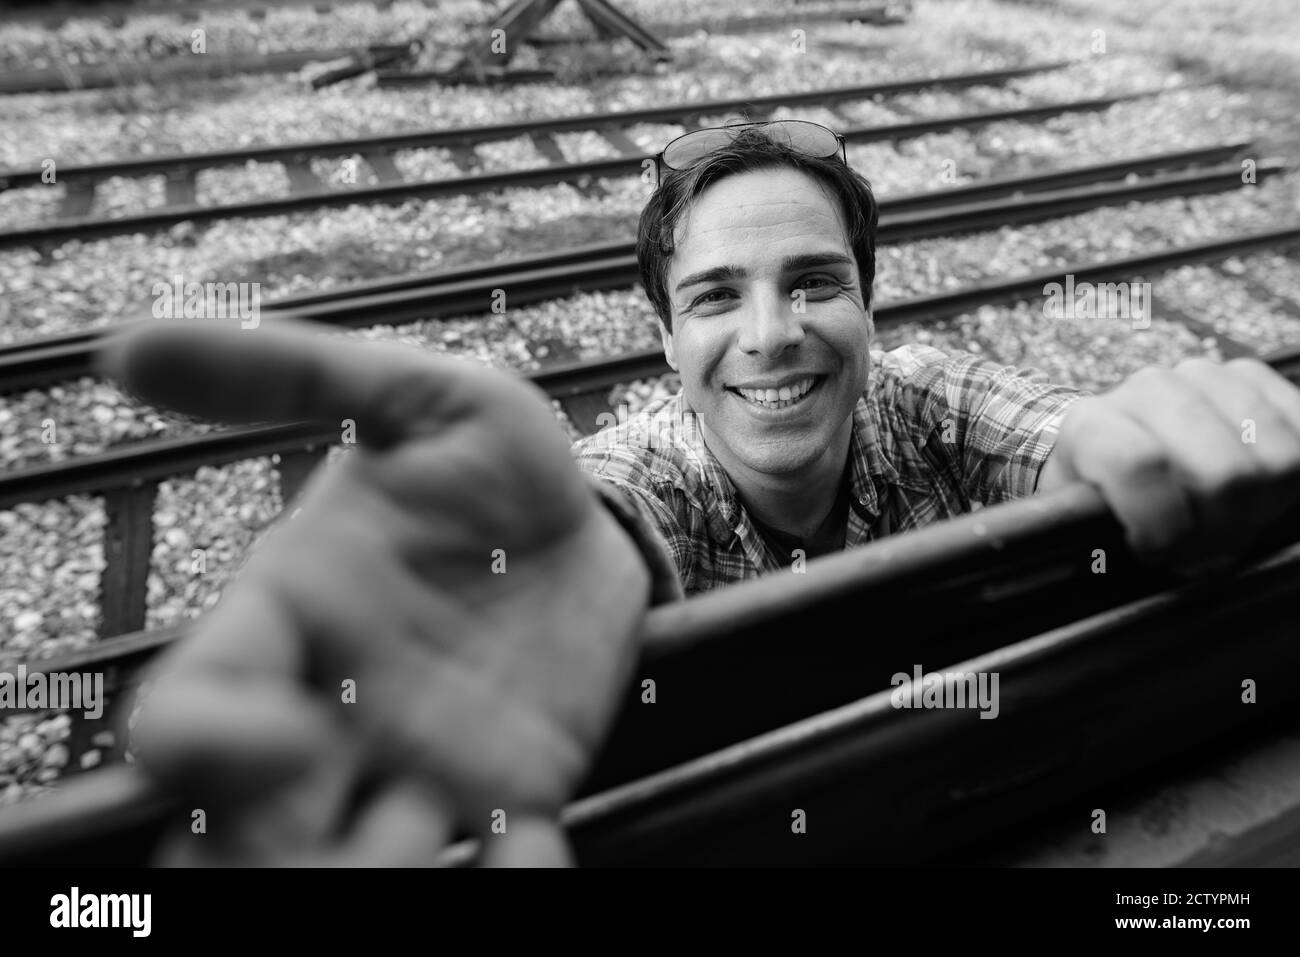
<point x="667" y="338"/>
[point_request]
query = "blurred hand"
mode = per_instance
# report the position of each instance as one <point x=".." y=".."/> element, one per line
<point x="476" y="693"/>
<point x="1197" y="462"/>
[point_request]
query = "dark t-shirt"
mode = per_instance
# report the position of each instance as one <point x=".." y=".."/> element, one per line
<point x="829" y="536"/>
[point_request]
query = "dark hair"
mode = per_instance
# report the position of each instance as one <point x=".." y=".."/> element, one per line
<point x="750" y="150"/>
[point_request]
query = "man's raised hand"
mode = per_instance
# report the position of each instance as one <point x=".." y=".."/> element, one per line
<point x="480" y="696"/>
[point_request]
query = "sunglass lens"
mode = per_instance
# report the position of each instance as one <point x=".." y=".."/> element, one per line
<point x="686" y="149"/>
<point x="800" y="135"/>
<point x="805" y="137"/>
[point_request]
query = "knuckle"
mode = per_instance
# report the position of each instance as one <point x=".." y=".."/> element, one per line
<point x="1145" y="461"/>
<point x="1276" y="450"/>
<point x="1272" y="432"/>
<point x="1145" y="381"/>
<point x="1147" y="374"/>
<point x="1250" y="365"/>
<point x="1198" y="366"/>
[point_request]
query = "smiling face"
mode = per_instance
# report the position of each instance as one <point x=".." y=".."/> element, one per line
<point x="770" y="330"/>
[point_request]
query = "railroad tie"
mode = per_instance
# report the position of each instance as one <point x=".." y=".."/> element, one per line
<point x="548" y="147"/>
<point x="1228" y="347"/>
<point x="584" y="410"/>
<point x="902" y="109"/>
<point x="466" y="160"/>
<point x="78" y="197"/>
<point x="620" y="141"/>
<point x="181" y="188"/>
<point x="294" y="469"/>
<point x="128" y="549"/>
<point x="301" y="177"/>
<point x="843" y="121"/>
<point x="382" y="163"/>
<point x="1258" y="290"/>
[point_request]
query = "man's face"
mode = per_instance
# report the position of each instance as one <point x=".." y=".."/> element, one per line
<point x="770" y="331"/>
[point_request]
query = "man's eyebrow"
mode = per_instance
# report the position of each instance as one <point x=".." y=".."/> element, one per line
<point x="812" y="260"/>
<point x="789" y="264"/>
<point x="716" y="274"/>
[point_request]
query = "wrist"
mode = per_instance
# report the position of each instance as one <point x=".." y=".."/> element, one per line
<point x="665" y="585"/>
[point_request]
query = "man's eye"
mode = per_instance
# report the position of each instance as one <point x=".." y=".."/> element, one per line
<point x="712" y="298"/>
<point x="816" y="283"/>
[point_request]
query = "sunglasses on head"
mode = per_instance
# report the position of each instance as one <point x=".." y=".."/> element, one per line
<point x="811" y="139"/>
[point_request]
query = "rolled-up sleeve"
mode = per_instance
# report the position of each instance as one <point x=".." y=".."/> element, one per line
<point x="654" y="532"/>
<point x="997" y="424"/>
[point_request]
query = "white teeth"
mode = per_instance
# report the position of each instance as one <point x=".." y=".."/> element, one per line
<point x="779" y="398"/>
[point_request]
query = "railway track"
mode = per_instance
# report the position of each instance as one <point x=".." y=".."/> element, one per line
<point x="73" y="219"/>
<point x="988" y="204"/>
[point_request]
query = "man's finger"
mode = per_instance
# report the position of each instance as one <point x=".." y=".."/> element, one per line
<point x="406" y="824"/>
<point x="1127" y="462"/>
<point x="227" y="713"/>
<point x="1281" y="395"/>
<point x="1209" y="460"/>
<point x="1260" y="429"/>
<point x="229" y="738"/>
<point x="531" y="841"/>
<point x="293" y="824"/>
<point x="287" y="371"/>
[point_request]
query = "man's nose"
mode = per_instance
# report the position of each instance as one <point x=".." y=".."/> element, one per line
<point x="773" y="325"/>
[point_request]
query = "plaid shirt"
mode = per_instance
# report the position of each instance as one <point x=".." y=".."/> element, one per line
<point x="934" y="435"/>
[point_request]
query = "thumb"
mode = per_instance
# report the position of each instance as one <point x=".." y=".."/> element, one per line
<point x="285" y="370"/>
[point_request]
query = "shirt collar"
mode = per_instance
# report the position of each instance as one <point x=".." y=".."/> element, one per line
<point x="870" y="472"/>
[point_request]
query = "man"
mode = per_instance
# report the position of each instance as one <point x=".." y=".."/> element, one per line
<point x="480" y="698"/>
<point x="784" y="442"/>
